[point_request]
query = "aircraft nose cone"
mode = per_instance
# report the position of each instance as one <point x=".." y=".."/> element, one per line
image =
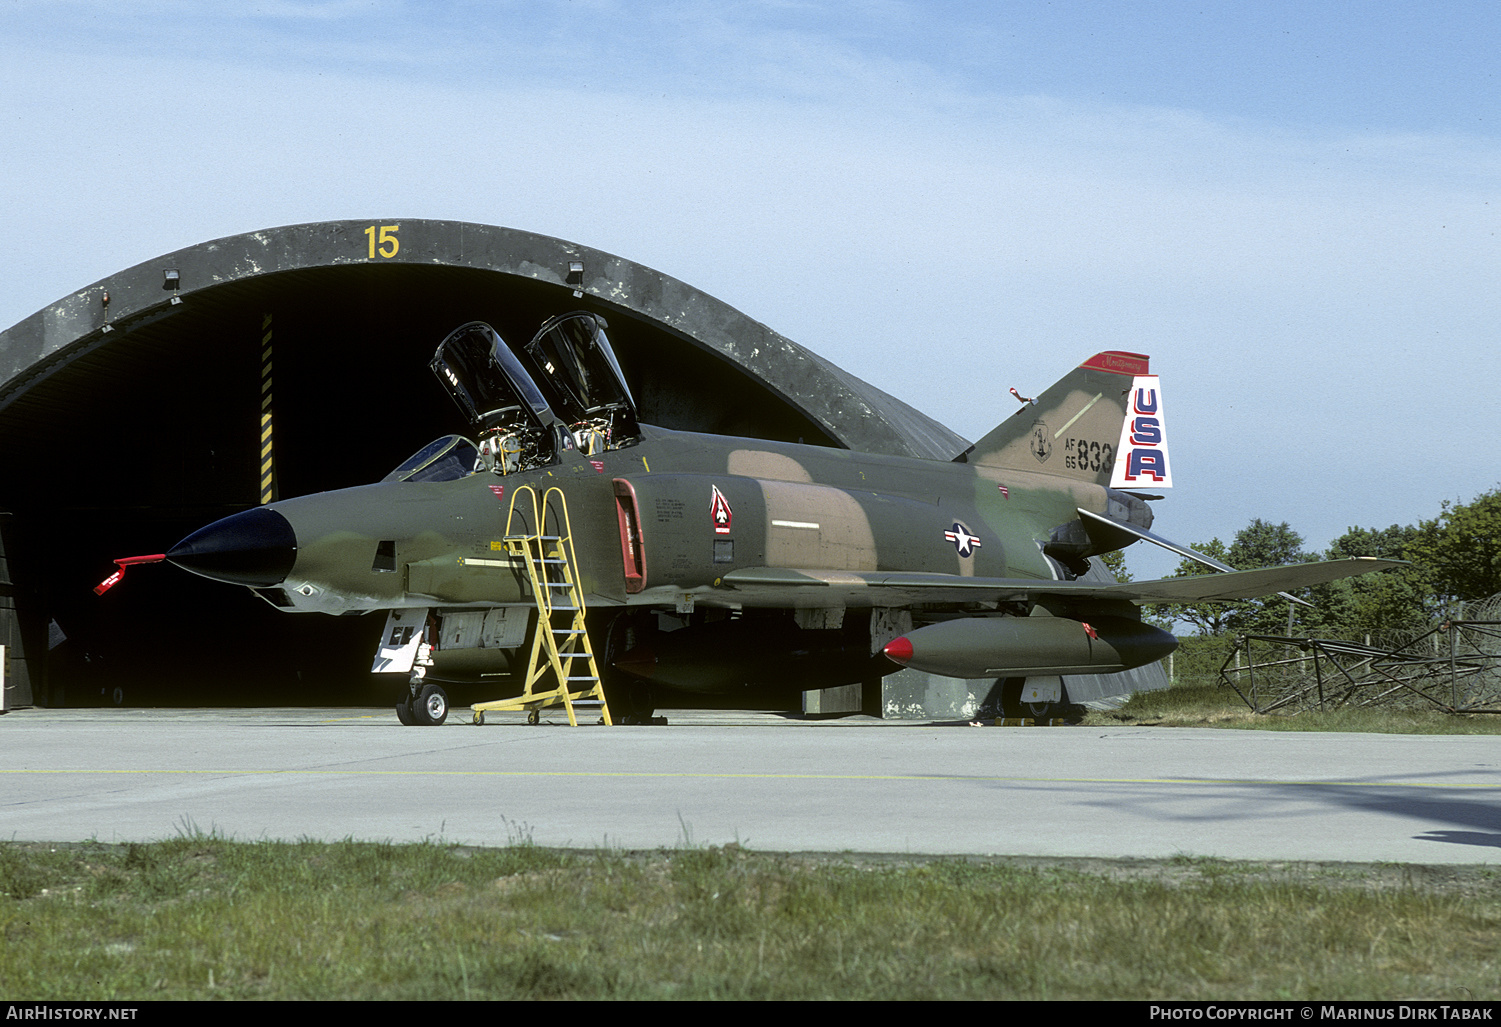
<point x="255" y="547"/>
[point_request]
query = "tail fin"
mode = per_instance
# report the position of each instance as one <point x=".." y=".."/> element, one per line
<point x="1101" y="423"/>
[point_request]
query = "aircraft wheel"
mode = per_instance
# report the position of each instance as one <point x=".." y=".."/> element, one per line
<point x="1011" y="698"/>
<point x="1042" y="711"/>
<point x="1069" y="713"/>
<point x="404" y="713"/>
<point x="430" y="708"/>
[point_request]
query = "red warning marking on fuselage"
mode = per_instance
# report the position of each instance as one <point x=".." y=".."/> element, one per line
<point x="719" y="512"/>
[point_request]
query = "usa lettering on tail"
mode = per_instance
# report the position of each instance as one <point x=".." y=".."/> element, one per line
<point x="1142" y="450"/>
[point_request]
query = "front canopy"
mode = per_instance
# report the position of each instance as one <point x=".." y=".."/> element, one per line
<point x="481" y="374"/>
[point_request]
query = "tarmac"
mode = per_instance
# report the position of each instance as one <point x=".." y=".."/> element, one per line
<point x="767" y="781"/>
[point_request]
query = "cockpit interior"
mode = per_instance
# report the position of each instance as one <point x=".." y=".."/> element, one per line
<point x="563" y="390"/>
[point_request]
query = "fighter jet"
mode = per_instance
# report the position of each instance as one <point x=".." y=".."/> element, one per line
<point x="681" y="562"/>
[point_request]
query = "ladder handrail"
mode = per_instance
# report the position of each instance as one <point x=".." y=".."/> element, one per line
<point x="566" y="538"/>
<point x="542" y="595"/>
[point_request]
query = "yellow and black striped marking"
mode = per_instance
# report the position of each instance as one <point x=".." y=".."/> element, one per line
<point x="268" y="468"/>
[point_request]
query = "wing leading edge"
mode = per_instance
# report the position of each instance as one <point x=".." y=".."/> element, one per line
<point x="896" y="588"/>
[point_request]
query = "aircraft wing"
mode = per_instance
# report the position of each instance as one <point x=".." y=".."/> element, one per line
<point x="792" y="587"/>
<point x="1249" y="584"/>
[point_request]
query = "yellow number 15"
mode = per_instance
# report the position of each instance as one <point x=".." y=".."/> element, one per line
<point x="387" y="239"/>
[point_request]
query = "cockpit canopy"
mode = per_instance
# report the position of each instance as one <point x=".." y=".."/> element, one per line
<point x="486" y="380"/>
<point x="577" y="366"/>
<point x="573" y="397"/>
<point x="445" y="459"/>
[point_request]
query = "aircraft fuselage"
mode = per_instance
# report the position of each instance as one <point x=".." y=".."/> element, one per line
<point x="703" y="506"/>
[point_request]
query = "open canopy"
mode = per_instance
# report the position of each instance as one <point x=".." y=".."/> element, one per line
<point x="575" y="361"/>
<point x="488" y="383"/>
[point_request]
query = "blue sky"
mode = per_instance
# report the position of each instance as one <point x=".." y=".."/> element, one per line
<point x="1292" y="207"/>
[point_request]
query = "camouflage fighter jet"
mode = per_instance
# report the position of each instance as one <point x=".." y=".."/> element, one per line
<point x="709" y="563"/>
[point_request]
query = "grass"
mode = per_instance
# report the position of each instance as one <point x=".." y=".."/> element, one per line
<point x="1197" y="703"/>
<point x="202" y="917"/>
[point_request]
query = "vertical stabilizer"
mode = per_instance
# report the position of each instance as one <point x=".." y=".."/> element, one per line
<point x="1074" y="429"/>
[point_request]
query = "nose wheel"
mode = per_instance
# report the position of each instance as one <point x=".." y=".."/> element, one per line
<point x="428" y="708"/>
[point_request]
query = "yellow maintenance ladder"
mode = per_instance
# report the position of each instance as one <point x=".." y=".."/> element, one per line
<point x="559" y="642"/>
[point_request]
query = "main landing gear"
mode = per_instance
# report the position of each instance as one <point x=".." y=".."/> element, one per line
<point x="1015" y="708"/>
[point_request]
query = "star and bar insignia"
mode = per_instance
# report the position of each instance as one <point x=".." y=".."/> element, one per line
<point x="964" y="542"/>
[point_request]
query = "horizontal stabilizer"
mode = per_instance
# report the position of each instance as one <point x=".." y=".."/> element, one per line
<point x="1108" y="534"/>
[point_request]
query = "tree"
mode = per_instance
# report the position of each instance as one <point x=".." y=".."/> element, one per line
<point x="1115" y="562"/>
<point x="1376" y="606"/>
<point x="1460" y="549"/>
<point x="1455" y="557"/>
<point x="1263" y="544"/>
<point x="1258" y="544"/>
<point x="1209" y="618"/>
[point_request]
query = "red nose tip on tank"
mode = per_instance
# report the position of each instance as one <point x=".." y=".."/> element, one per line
<point x="256" y="547"/>
<point x="898" y="650"/>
